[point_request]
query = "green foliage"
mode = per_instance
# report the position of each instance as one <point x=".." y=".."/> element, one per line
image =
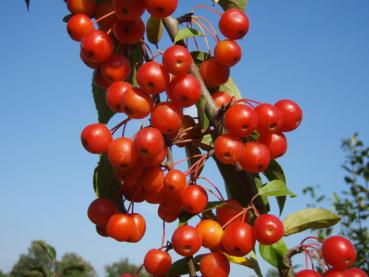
<point x="274" y="254"/>
<point x="352" y="203"/>
<point x="275" y="188"/>
<point x="118" y="268"/>
<point x="187" y="33"/>
<point x="180" y="267"/>
<point x="185" y="217"/>
<point x="103" y="111"/>
<point x="3" y="274"/>
<point x="250" y="261"/>
<point x="228" y="4"/>
<point x="72" y="265"/>
<point x="154" y="30"/>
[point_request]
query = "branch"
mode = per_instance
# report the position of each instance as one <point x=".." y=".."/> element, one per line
<point x="191" y="267"/>
<point x="286" y="270"/>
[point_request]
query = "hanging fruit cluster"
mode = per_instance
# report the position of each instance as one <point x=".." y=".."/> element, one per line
<point x="242" y="135"/>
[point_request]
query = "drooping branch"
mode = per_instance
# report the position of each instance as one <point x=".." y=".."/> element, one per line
<point x="286" y="270"/>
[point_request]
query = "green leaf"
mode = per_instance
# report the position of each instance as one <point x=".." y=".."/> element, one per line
<point x="103" y="111"/>
<point x="185" y="217"/>
<point x="180" y="267"/>
<point x="314" y="218"/>
<point x="275" y="188"/>
<point x="50" y="251"/>
<point x="250" y="262"/>
<point x="274" y="254"/>
<point x="231" y="88"/>
<point x="67" y="17"/>
<point x="154" y="30"/>
<point x="106" y="185"/>
<point x="187" y="33"/>
<point x="200" y="56"/>
<point x="229" y="4"/>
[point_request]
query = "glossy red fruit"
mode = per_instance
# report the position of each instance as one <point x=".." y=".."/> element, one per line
<point x="194" y="199"/>
<point x="86" y="7"/>
<point x="161" y="8"/>
<point x="99" y="81"/>
<point x="291" y="114"/>
<point x="173" y="118"/>
<point x="121" y="227"/>
<point x="276" y="143"/>
<point x="157" y="262"/>
<point x="307" y="273"/>
<point x="268" y="229"/>
<point x="214" y="264"/>
<point x="228" y="149"/>
<point x="155" y="161"/>
<point x="129" y="32"/>
<point x="228" y="211"/>
<point x="101" y="230"/>
<point x="234" y="24"/>
<point x="256" y="157"/>
<point x="355" y="272"/>
<point x="114" y="94"/>
<point x="78" y="26"/>
<point x="240" y="120"/>
<point x="152" y="78"/>
<point x="334" y="272"/>
<point x="149" y="142"/>
<point x="175" y="181"/>
<point x="103" y="9"/>
<point x="100" y="210"/>
<point x="213" y="73"/>
<point x="115" y="69"/>
<point x="96" y="138"/>
<point x="221" y="98"/>
<point x="91" y="65"/>
<point x="122" y="153"/>
<point x="97" y="46"/>
<point x="339" y="252"/>
<point x="184" y="90"/>
<point x="136" y="104"/>
<point x="238" y="239"/>
<point x="129" y="9"/>
<point x="168" y="215"/>
<point x="140" y="228"/>
<point x="186" y="241"/>
<point x="177" y="60"/>
<point x="152" y="179"/>
<point x="211" y="233"/>
<point x="227" y="53"/>
<point x="270" y="118"/>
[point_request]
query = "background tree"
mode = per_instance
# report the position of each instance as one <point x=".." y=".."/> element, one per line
<point x="123" y="266"/>
<point x="72" y="265"/>
<point x="352" y="203"/>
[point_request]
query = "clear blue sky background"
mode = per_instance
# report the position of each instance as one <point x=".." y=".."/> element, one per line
<point x="315" y="52"/>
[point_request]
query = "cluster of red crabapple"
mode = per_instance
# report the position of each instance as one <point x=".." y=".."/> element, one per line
<point x="139" y="162"/>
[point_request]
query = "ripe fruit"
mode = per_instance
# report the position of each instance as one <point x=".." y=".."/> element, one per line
<point x="240" y="120"/>
<point x="114" y="94"/>
<point x="152" y="78"/>
<point x="140" y="228"/>
<point x="214" y="264"/>
<point x="115" y="69"/>
<point x="339" y="252"/>
<point x="229" y="210"/>
<point x="175" y="181"/>
<point x="136" y="104"/>
<point x="238" y="239"/>
<point x="221" y="98"/>
<point x="256" y="157"/>
<point x="96" y="138"/>
<point x="121" y="227"/>
<point x="100" y="210"/>
<point x="96" y="46"/>
<point x="129" y="32"/>
<point x="122" y="153"/>
<point x="128" y="9"/>
<point x="99" y="80"/>
<point x="78" y="26"/>
<point x="213" y="73"/>
<point x="186" y="241"/>
<point x="211" y="233"/>
<point x="268" y="229"/>
<point x="101" y="230"/>
<point x="103" y="9"/>
<point x="270" y="118"/>
<point x="291" y="114"/>
<point x="173" y="118"/>
<point x="228" y="149"/>
<point x="194" y="199"/>
<point x="152" y="179"/>
<point x="149" y="142"/>
<point x="168" y="215"/>
<point x="157" y="262"/>
<point x="184" y="90"/>
<point x="307" y="273"/>
<point x="161" y="8"/>
<point x="155" y="161"/>
<point x="86" y="7"/>
<point x="334" y="272"/>
<point x="276" y="143"/>
<point x="93" y="65"/>
<point x="177" y="60"/>
<point x="227" y="52"/>
<point x="355" y="272"/>
<point x="234" y="24"/>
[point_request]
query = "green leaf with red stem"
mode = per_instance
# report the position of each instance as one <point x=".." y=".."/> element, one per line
<point x="187" y="33"/>
<point x="154" y="30"/>
<point x="200" y="56"/>
<point x="103" y="111"/>
<point x="275" y="188"/>
<point x="229" y="4"/>
<point x="185" y="217"/>
<point x="180" y="267"/>
<point x="274" y="254"/>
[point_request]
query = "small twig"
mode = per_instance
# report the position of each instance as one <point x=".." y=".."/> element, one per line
<point x="191" y="267"/>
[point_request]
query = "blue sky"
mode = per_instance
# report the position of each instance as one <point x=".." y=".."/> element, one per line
<point x="315" y="52"/>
